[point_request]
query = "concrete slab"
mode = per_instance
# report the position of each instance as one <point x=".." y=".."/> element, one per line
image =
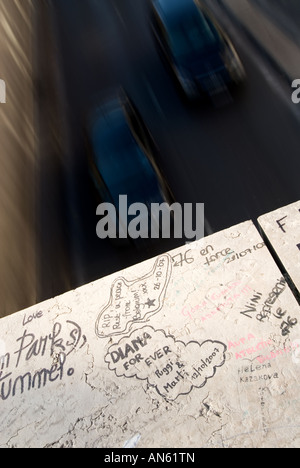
<point x="282" y="228"/>
<point x="203" y="339"/>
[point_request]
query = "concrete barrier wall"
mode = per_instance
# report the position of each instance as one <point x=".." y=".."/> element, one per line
<point x="204" y="338"/>
<point x="17" y="157"/>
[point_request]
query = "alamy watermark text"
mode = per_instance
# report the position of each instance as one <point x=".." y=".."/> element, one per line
<point x="156" y="220"/>
<point x="296" y="94"/>
<point x="2" y="92"/>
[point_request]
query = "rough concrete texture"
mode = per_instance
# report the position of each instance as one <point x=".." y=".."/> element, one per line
<point x="203" y="339"/>
<point x="282" y="228"/>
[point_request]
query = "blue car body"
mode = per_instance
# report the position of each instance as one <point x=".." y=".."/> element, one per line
<point x="122" y="155"/>
<point x="199" y="52"/>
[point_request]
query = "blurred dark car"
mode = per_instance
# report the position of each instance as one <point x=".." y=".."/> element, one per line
<point x="122" y="157"/>
<point x="200" y="53"/>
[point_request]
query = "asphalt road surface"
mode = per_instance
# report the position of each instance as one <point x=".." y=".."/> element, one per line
<point x="240" y="156"/>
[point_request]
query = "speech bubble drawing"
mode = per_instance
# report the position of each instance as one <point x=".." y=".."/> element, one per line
<point x="133" y="302"/>
<point x="171" y="366"/>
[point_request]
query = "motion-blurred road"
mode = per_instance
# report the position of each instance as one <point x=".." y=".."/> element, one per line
<point x="285" y="13"/>
<point x="240" y="157"/>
